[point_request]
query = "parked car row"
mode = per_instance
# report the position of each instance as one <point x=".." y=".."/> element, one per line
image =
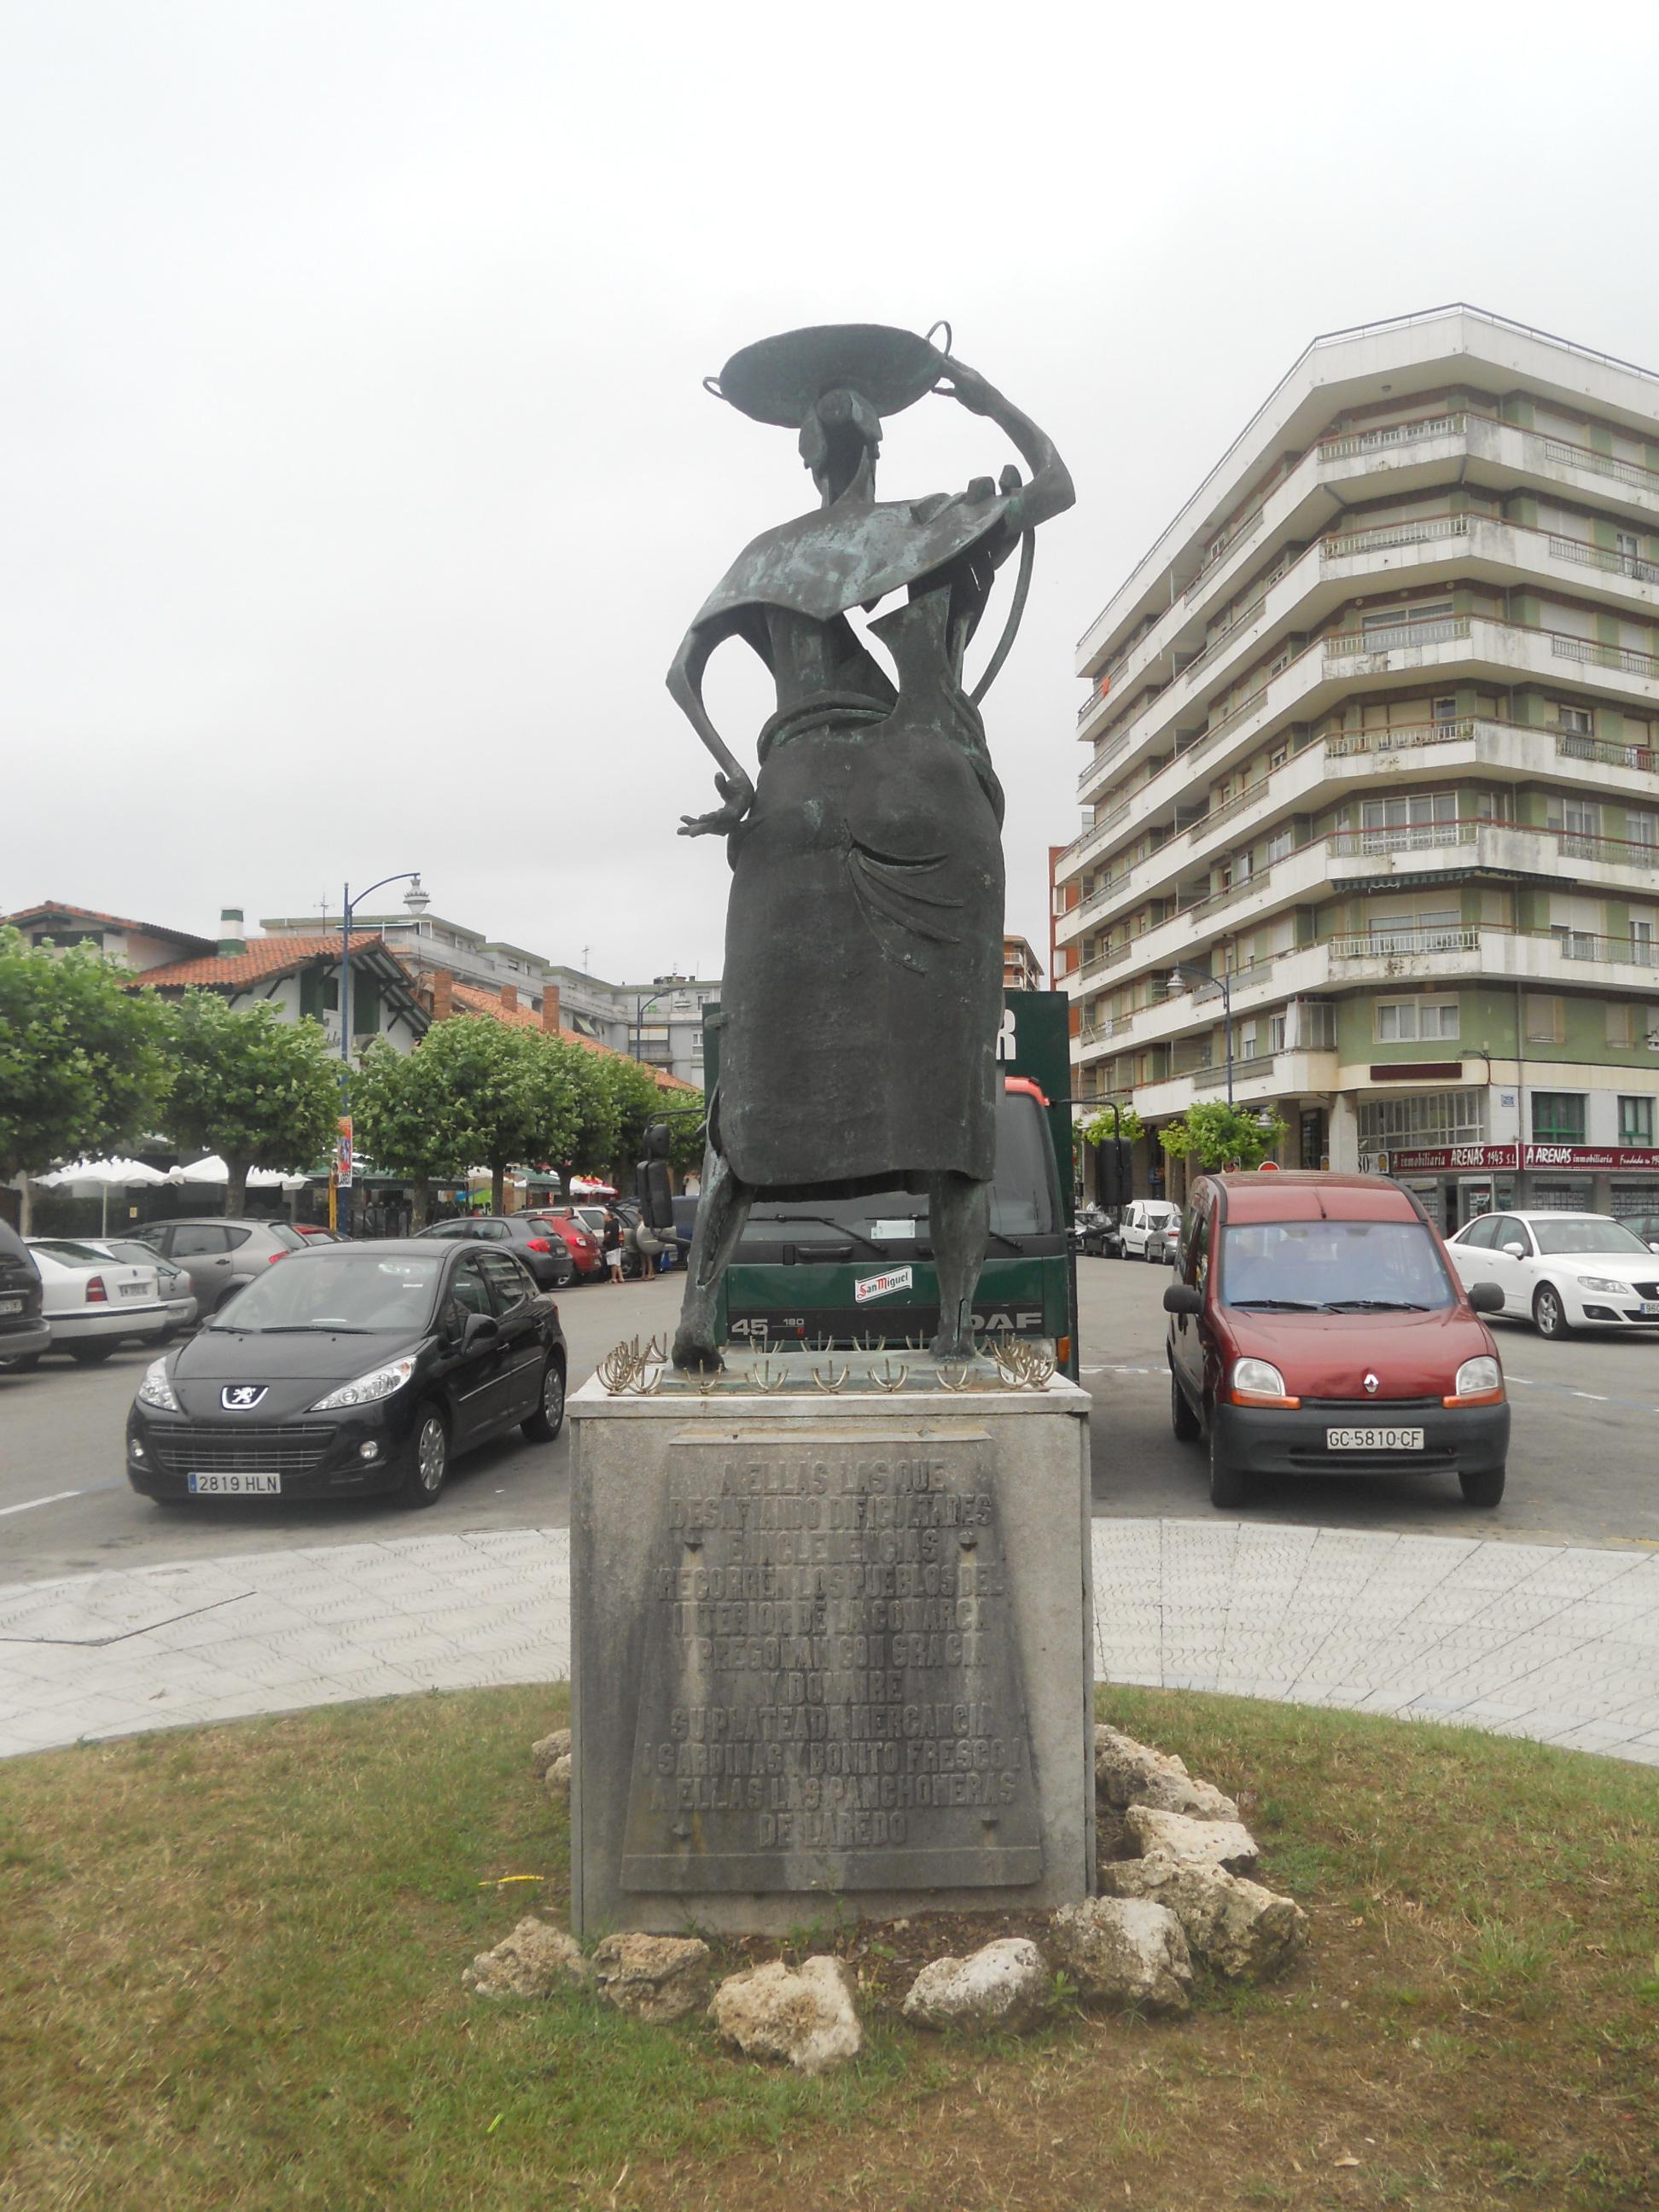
<point x="85" y="1296"/>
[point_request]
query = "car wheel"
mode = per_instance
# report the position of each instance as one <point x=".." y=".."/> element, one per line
<point x="1149" y="1254"/>
<point x="91" y="1355"/>
<point x="1549" y="1315"/>
<point x="1182" y="1419"/>
<point x="27" y="1364"/>
<point x="428" y="1459"/>
<point x="548" y="1419"/>
<point x="1229" y="1485"/>
<point x="1483" y="1487"/>
<point x="566" y="1275"/>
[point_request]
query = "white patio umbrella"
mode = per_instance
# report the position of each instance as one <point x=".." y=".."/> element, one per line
<point x="213" y="1170"/>
<point x="103" y="1177"/>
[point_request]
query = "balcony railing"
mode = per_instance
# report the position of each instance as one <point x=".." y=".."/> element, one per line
<point x="1241" y="620"/>
<point x="1346" y="643"/>
<point x="1349" y="442"/>
<point x="1588" y="944"/>
<point x="1222" y="552"/>
<point x="1624" y="657"/>
<point x="1408" y="837"/>
<point x="1401" y="943"/>
<point x="1213" y="1076"/>
<point x="1598" y="556"/>
<point x="1102" y="754"/>
<point x="1567" y="455"/>
<point x="1615" y="852"/>
<point x="1345" y="744"/>
<point x="1424" y="532"/>
<point x="1605" y="752"/>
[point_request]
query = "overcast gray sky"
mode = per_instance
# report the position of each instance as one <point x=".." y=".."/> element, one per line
<point x="356" y="481"/>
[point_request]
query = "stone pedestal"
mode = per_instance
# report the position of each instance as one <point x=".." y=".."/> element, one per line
<point x="832" y="1650"/>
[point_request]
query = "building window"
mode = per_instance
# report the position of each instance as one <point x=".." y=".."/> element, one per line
<point x="1400" y="1021"/>
<point x="1577" y="721"/>
<point x="1573" y="818"/>
<point x="1275" y="1033"/>
<point x="1622" y="1032"/>
<point x="1428" y="1117"/>
<point x="1636" y="1120"/>
<point x="1630" y="552"/>
<point x="1445" y="710"/>
<point x="1544" y="1018"/>
<point x="1281" y="844"/>
<point x="1558" y="1117"/>
<point x="1315" y="1025"/>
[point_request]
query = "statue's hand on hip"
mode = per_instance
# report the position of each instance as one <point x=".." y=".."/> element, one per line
<point x="739" y="796"/>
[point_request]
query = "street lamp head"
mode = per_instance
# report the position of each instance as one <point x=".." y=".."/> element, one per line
<point x="415" y="898"/>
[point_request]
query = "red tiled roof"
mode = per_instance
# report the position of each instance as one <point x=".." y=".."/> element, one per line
<point x="265" y="957"/>
<point x="81" y="913"/>
<point x="465" y="999"/>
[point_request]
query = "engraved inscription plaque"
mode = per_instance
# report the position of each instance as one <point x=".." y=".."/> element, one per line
<point x="831" y="1695"/>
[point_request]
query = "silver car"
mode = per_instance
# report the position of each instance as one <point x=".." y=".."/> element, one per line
<point x="219" y="1255"/>
<point x="177" y="1295"/>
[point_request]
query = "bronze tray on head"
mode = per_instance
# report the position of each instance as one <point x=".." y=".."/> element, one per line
<point x="778" y="380"/>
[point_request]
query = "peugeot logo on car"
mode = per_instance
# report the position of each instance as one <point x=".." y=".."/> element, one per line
<point x="1373" y="1386"/>
<point x="239" y="1397"/>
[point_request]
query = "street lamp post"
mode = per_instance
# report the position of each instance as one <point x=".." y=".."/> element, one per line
<point x="640" y="1011"/>
<point x="1223" y="984"/>
<point x="416" y="901"/>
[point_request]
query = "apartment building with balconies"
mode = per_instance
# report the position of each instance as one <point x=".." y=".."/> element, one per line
<point x="1372" y="733"/>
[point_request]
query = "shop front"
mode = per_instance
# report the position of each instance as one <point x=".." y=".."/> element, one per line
<point x="1455" y="1182"/>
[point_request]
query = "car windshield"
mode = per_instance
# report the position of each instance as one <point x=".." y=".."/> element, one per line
<point x="333" y="1288"/>
<point x="1587" y="1235"/>
<point x="1334" y="1266"/>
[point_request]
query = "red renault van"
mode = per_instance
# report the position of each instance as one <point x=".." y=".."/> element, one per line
<point x="1316" y="1328"/>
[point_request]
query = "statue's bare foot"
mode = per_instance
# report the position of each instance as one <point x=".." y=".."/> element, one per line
<point x="695" y="1349"/>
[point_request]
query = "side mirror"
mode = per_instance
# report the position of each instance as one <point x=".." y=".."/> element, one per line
<point x="1516" y="1251"/>
<point x="1183" y="1299"/>
<point x="1652" y="1246"/>
<point x="479" y="1328"/>
<point x="1487" y="1297"/>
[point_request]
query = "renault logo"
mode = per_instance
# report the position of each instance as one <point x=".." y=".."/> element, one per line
<point x="239" y="1397"/>
<point x="1373" y="1386"/>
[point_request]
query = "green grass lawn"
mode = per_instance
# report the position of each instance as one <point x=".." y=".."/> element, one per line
<point x="231" y="1966"/>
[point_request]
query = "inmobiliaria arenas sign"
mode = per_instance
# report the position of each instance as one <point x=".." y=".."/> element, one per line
<point x="1473" y="1158"/>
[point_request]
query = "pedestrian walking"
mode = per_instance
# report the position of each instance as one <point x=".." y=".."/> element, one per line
<point x="613" y="1244"/>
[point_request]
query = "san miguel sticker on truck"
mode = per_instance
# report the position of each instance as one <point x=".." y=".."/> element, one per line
<point x="883" y="1286"/>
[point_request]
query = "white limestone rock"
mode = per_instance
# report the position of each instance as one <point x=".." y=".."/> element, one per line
<point x="1125" y="1951"/>
<point x="1003" y="1987"/>
<point x="534" y="1961"/>
<point x="654" y="1977"/>
<point x="549" y="1749"/>
<point x="557" y="1776"/>
<point x="1243" y="1930"/>
<point x="804" y="2015"/>
<point x="1198" y="1843"/>
<point x="1130" y="1773"/>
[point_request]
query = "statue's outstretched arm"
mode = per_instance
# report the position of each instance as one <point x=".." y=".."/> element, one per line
<point x="732" y="783"/>
<point x="1050" y="490"/>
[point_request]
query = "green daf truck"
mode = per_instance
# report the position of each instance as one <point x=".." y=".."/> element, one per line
<point x="837" y="1271"/>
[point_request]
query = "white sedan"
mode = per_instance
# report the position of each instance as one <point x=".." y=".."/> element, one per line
<point x="91" y="1303"/>
<point x="1562" y="1271"/>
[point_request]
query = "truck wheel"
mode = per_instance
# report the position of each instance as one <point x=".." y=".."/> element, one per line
<point x="1229" y="1485"/>
<point x="1485" y="1487"/>
<point x="1182" y="1419"/>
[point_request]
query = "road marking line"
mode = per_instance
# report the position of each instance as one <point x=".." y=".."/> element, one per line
<point x="29" y="1504"/>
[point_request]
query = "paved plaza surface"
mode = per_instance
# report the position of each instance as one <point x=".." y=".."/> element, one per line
<point x="1538" y="1640"/>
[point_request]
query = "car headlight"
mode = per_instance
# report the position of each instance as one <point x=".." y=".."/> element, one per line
<point x="367" y="1389"/>
<point x="1258" y="1382"/>
<point x="155" y="1390"/>
<point x="1478" y="1377"/>
<point x="1606" y="1285"/>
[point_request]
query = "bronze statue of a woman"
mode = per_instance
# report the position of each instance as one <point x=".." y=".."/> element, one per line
<point x="862" y="987"/>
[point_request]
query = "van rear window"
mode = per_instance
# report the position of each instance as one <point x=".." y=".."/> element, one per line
<point x="1334" y="1267"/>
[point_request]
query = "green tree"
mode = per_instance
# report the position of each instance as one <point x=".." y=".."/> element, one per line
<point x="686" y="1112"/>
<point x="1214" y="1134"/>
<point x="1099" y="1129"/>
<point x="259" y="1092"/>
<point x="83" y="1058"/>
<point x="637" y="1101"/>
<point x="592" y="1140"/>
<point x="410" y="1111"/>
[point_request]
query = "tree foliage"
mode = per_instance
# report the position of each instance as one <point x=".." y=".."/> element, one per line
<point x="1099" y="1129"/>
<point x="259" y="1092"/>
<point x="83" y="1065"/>
<point x="1214" y="1134"/>
<point x="409" y="1115"/>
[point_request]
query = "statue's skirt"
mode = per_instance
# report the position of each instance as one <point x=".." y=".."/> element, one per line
<point x="863" y="981"/>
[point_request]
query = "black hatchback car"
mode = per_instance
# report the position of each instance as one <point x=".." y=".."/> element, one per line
<point x="543" y="1250"/>
<point x="24" y="1335"/>
<point x="352" y="1369"/>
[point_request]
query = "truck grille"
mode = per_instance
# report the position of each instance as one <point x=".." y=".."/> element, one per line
<point x="216" y="1447"/>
